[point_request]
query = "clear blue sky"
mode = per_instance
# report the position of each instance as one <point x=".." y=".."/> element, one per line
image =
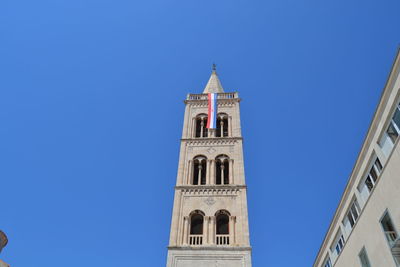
<point x="91" y="115"/>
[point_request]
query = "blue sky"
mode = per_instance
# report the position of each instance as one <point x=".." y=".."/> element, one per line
<point x="91" y="115"/>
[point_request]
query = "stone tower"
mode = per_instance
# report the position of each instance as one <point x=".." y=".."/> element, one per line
<point x="209" y="221"/>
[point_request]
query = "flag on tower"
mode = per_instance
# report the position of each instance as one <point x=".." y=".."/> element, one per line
<point x="212" y="111"/>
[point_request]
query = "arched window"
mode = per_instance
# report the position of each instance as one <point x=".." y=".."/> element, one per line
<point x="196" y="228"/>
<point x="222" y="125"/>
<point x="201" y="125"/>
<point x="199" y="170"/>
<point x="222" y="169"/>
<point x="196" y="224"/>
<point x="222" y="227"/>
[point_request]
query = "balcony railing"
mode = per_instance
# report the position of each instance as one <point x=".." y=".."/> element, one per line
<point x="195" y="240"/>
<point x="205" y="96"/>
<point x="222" y="240"/>
<point x="396" y="250"/>
<point x="391" y="237"/>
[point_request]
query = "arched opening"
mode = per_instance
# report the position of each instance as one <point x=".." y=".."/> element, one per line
<point x="222" y="224"/>
<point x="199" y="170"/>
<point x="201" y="126"/>
<point x="222" y="125"/>
<point x="222" y="227"/>
<point x="196" y="224"/>
<point x="222" y="169"/>
<point x="196" y="228"/>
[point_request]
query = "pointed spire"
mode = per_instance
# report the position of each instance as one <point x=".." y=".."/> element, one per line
<point x="213" y="85"/>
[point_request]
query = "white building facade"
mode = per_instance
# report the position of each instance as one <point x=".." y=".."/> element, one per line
<point x="209" y="220"/>
<point x="366" y="226"/>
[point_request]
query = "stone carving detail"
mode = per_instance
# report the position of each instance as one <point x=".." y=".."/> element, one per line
<point x="204" y="103"/>
<point x="210" y="201"/>
<point x="214" y="142"/>
<point x="210" y="191"/>
<point x="211" y="150"/>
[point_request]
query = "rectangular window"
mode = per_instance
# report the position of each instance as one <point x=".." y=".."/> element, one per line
<point x="353" y="213"/>
<point x="388" y="229"/>
<point x="373" y="175"/>
<point x="370" y="180"/>
<point x="339" y="245"/>
<point x="328" y="263"/>
<point x="364" y="258"/>
<point x="378" y="165"/>
<point x="396" y="117"/>
<point x="392" y="132"/>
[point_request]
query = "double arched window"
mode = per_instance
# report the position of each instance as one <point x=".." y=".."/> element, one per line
<point x="222" y="169"/>
<point x="200" y="126"/>
<point x="199" y="170"/>
<point x="210" y="172"/>
<point x="222" y="125"/>
<point x="218" y="229"/>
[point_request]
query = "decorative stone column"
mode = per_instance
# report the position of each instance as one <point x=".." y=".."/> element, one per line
<point x="222" y="172"/>
<point x="189" y="172"/>
<point x="212" y="230"/>
<point x="231" y="180"/>
<point x="200" y="175"/>
<point x="221" y="124"/>
<point x="232" y="230"/>
<point x="208" y="174"/>
<point x="193" y="130"/>
<point x="185" y="230"/>
<point x="230" y="126"/>
<point x="211" y="132"/>
<point x="212" y="172"/>
<point x="206" y="229"/>
<point x="202" y="127"/>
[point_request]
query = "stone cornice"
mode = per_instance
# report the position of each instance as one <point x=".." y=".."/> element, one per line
<point x="211" y="141"/>
<point x="221" y="102"/>
<point x="214" y="248"/>
<point x="213" y="187"/>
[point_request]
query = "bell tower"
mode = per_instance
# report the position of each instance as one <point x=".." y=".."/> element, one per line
<point x="209" y="220"/>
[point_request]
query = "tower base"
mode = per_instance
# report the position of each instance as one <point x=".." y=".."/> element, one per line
<point x="209" y="257"/>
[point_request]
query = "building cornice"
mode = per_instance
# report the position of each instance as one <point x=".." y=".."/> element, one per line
<point x="202" y="99"/>
<point x="205" y="101"/>
<point x="207" y="187"/>
<point x="214" y="248"/>
<point x="211" y="140"/>
<point x="387" y="90"/>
